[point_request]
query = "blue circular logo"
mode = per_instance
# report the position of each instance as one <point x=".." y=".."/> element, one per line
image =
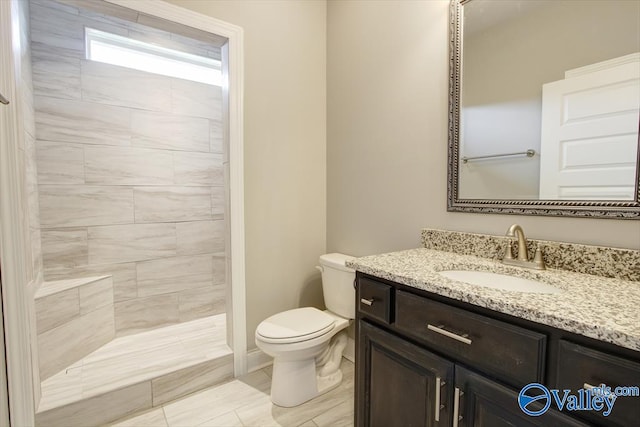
<point x="538" y="393"/>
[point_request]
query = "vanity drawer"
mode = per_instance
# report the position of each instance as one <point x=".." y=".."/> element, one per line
<point x="374" y="299"/>
<point x="580" y="367"/>
<point x="475" y="339"/>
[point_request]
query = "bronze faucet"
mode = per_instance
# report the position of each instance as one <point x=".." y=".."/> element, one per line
<point x="523" y="256"/>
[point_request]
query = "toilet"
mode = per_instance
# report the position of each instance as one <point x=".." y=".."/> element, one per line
<point x="306" y="343"/>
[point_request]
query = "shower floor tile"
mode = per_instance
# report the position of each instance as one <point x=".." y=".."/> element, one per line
<point x="136" y="358"/>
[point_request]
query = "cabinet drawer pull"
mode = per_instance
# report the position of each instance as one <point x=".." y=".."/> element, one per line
<point x="368" y="302"/>
<point x="588" y="386"/>
<point x="437" y="405"/>
<point x="439" y="329"/>
<point x="456" y="407"/>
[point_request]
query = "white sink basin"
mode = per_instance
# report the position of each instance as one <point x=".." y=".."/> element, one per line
<point x="499" y="281"/>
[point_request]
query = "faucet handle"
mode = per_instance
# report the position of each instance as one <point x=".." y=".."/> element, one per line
<point x="538" y="260"/>
<point x="508" y="253"/>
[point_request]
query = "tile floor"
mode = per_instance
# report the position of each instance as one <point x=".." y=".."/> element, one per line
<point x="245" y="402"/>
<point x="135" y="358"/>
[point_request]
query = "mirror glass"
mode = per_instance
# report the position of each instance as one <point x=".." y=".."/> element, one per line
<point x="548" y="100"/>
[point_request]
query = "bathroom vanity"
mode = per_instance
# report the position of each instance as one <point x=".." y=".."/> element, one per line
<point x="437" y="352"/>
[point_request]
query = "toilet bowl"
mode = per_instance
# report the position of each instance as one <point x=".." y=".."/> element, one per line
<point x="306" y="343"/>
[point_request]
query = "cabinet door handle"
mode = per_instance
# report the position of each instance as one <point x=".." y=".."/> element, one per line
<point x="367" y="301"/>
<point x="3" y="100"/>
<point x="440" y="329"/>
<point x="437" y="407"/>
<point x="588" y="386"/>
<point x="456" y="407"/>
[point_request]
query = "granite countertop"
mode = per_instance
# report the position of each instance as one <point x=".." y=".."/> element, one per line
<point x="606" y="309"/>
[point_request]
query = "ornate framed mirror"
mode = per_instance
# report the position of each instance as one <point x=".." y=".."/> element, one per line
<point x="544" y="105"/>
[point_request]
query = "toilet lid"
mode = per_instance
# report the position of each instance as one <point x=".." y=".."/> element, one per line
<point x="299" y="324"/>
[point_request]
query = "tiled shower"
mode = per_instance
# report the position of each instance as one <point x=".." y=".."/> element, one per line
<point x="130" y="173"/>
<point x="129" y="201"/>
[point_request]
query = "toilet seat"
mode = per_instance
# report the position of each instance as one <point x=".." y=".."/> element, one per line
<point x="295" y="325"/>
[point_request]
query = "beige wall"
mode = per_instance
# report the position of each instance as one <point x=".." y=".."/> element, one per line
<point x="285" y="142"/>
<point x="387" y="78"/>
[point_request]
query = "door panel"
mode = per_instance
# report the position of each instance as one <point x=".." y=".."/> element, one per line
<point x="485" y="403"/>
<point x="400" y="384"/>
<point x="589" y="146"/>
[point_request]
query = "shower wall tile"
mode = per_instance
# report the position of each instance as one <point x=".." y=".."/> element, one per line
<point x="56" y="5"/>
<point x="115" y="18"/>
<point x="169" y="131"/>
<point x="211" y="40"/>
<point x="56" y="28"/>
<point x="201" y="302"/>
<point x="200" y="237"/>
<point x="162" y="204"/>
<point x="72" y="206"/>
<point x="216" y="137"/>
<point x="123" y="276"/>
<point x="56" y="71"/>
<point x="31" y="180"/>
<point x="219" y="269"/>
<point x="82" y="122"/>
<point x="96" y="295"/>
<point x="60" y="163"/>
<point x="65" y="248"/>
<point x="198" y="169"/>
<point x="57" y="309"/>
<point x="164" y="276"/>
<point x="112" y="85"/>
<point x="218" y="201"/>
<point x="146" y="313"/>
<point x="134" y="242"/>
<point x="151" y="35"/>
<point x="36" y="250"/>
<point x="58" y="303"/>
<point x="127" y="166"/>
<point x="206" y="43"/>
<point x="195" y="99"/>
<point x="80" y="336"/>
<point x="28" y="108"/>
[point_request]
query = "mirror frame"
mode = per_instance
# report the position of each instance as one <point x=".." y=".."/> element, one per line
<point x="570" y="208"/>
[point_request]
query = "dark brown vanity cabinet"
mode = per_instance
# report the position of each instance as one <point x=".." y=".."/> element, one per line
<point x="425" y="360"/>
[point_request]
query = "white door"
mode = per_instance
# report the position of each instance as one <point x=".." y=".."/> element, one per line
<point x="589" y="146"/>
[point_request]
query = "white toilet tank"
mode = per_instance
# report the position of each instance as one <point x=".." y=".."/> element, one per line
<point x="337" y="285"/>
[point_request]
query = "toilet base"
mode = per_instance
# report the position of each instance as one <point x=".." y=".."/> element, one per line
<point x="329" y="382"/>
<point x="297" y="381"/>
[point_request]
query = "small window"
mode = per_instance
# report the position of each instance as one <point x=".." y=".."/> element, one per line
<point x="125" y="52"/>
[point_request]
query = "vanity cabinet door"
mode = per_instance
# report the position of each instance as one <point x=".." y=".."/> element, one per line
<point x="480" y="402"/>
<point x="400" y="384"/>
<point x="582" y="367"/>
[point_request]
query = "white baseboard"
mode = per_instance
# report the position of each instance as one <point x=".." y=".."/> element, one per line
<point x="257" y="359"/>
